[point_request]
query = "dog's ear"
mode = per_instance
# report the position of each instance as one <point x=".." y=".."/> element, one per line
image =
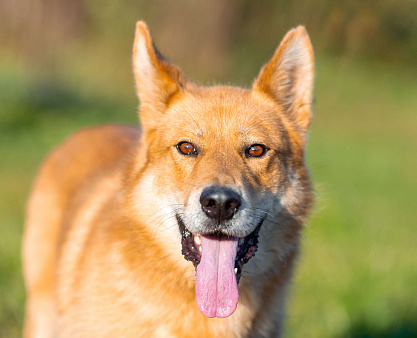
<point x="157" y="80"/>
<point x="288" y="77"/>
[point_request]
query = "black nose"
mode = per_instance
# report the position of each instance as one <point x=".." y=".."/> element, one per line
<point x="220" y="203"/>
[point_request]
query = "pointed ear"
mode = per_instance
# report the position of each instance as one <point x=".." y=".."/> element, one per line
<point x="288" y="77"/>
<point x="157" y="80"/>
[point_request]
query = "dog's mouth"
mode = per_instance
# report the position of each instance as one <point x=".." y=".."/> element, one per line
<point x="218" y="260"/>
<point x="247" y="246"/>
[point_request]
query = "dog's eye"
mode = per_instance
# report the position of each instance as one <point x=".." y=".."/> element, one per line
<point x="187" y="148"/>
<point x="256" y="150"/>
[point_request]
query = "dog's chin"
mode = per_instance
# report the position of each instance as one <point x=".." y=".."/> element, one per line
<point x="192" y="249"/>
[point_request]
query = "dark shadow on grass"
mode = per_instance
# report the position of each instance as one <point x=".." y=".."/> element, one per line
<point x="23" y="104"/>
<point x="404" y="329"/>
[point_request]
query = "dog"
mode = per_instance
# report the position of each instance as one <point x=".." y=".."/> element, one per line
<point x="186" y="227"/>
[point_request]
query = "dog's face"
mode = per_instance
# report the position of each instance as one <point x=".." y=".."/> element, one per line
<point x="224" y="164"/>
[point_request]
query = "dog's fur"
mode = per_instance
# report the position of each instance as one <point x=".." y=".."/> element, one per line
<point x="102" y="246"/>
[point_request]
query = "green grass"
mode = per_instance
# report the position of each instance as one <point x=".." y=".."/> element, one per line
<point x="357" y="274"/>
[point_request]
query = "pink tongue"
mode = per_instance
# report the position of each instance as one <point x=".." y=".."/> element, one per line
<point x="216" y="286"/>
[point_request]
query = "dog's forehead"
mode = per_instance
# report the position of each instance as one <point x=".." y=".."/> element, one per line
<point x="223" y="109"/>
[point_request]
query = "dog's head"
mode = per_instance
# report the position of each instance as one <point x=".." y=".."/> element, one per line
<point x="222" y="165"/>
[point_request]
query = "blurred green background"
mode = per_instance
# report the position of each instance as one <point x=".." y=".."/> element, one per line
<point x="67" y="64"/>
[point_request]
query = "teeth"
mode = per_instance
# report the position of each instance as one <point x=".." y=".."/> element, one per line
<point x="197" y="239"/>
<point x="200" y="249"/>
<point x="235" y="270"/>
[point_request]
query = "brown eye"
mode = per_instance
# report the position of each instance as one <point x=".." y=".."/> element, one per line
<point x="186" y="148"/>
<point x="256" y="150"/>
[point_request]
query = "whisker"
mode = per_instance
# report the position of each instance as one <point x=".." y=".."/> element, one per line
<point x="168" y="216"/>
<point x="167" y="206"/>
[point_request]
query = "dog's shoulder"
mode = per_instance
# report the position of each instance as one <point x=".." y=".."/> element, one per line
<point x="90" y="150"/>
